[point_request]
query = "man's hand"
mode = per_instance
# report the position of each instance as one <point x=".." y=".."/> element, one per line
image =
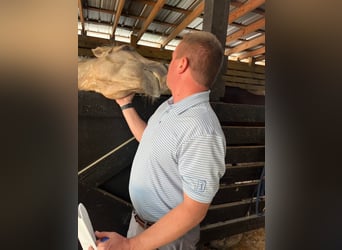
<point x="114" y="242"/>
<point x="134" y="121"/>
<point x="124" y="100"/>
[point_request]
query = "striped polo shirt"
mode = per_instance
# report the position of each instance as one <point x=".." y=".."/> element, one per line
<point x="182" y="150"/>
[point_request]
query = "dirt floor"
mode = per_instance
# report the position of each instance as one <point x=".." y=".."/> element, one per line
<point x="252" y="240"/>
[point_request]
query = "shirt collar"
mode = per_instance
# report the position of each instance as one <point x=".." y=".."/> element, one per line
<point x="188" y="102"/>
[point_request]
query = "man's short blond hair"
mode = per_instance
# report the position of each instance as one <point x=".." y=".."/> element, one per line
<point x="205" y="55"/>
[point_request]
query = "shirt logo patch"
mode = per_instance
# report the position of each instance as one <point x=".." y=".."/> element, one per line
<point x="201" y="185"/>
<point x="197" y="185"/>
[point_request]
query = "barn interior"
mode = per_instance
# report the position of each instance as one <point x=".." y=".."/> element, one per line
<point x="154" y="28"/>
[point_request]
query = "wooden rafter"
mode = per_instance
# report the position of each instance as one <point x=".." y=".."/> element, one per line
<point x="252" y="53"/>
<point x="238" y="4"/>
<point x="180" y="10"/>
<point x="80" y="9"/>
<point x="187" y="20"/>
<point x="117" y="16"/>
<point x="85" y="44"/>
<point x="248" y="6"/>
<point x="246" y="30"/>
<point x="156" y="8"/>
<point x="246" y="45"/>
<point x="259" y="58"/>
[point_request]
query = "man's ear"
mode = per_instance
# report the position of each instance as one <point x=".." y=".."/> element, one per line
<point x="183" y="64"/>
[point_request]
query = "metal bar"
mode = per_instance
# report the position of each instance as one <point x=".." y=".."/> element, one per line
<point x="106" y="155"/>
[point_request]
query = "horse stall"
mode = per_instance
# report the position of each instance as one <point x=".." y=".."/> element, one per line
<point x="107" y="148"/>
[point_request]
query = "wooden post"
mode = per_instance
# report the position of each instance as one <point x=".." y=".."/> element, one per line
<point x="215" y="20"/>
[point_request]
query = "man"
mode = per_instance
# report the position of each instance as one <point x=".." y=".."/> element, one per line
<point x="181" y="154"/>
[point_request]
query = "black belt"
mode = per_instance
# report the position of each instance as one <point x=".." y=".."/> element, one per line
<point x="143" y="223"/>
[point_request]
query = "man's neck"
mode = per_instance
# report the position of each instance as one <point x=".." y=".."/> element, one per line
<point x="183" y="92"/>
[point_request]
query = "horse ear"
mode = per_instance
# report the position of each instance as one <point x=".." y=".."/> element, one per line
<point x="102" y="51"/>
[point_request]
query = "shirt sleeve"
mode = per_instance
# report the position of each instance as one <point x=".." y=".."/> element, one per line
<point x="201" y="165"/>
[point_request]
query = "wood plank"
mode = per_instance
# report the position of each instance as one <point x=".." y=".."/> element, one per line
<point x="246" y="30"/>
<point x="230" y="211"/>
<point x="245" y="67"/>
<point x="93" y="42"/>
<point x="97" y="137"/>
<point x="85" y="52"/>
<point x="117" y="16"/>
<point x="161" y="55"/>
<point x="154" y="12"/>
<point x="244" y="80"/>
<point x="252" y="53"/>
<point x="248" y="6"/>
<point x="246" y="164"/>
<point x="149" y="52"/>
<point x="102" y="127"/>
<point x="240" y="174"/>
<point x="224" y="229"/>
<point x="187" y="20"/>
<point x="238" y="154"/>
<point x="118" y="184"/>
<point x="242" y="95"/>
<point x="247" y="74"/>
<point x="235" y="192"/>
<point x="80" y="9"/>
<point x="106" y="212"/>
<point x="92" y="104"/>
<point x="260" y="58"/>
<point x="260" y="90"/>
<point x="236" y="135"/>
<point x="246" y="45"/>
<point x="229" y="113"/>
<point x="176" y="9"/>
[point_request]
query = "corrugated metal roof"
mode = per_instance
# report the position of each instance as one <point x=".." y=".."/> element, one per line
<point x="98" y="17"/>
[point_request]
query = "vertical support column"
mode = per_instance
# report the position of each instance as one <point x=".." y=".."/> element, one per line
<point x="215" y="20"/>
<point x="134" y="40"/>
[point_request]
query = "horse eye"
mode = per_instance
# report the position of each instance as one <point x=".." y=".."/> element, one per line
<point x="127" y="48"/>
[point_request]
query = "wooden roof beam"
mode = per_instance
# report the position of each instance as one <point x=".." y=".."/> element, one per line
<point x="117" y="16"/>
<point x="246" y="45"/>
<point x="80" y="9"/>
<point x="246" y="30"/>
<point x="259" y="58"/>
<point x="87" y="43"/>
<point x="252" y="53"/>
<point x="256" y="11"/>
<point x="187" y="20"/>
<point x="248" y="6"/>
<point x="180" y="10"/>
<point x="156" y="8"/>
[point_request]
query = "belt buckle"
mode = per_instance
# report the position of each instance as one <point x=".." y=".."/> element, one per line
<point x="144" y="224"/>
